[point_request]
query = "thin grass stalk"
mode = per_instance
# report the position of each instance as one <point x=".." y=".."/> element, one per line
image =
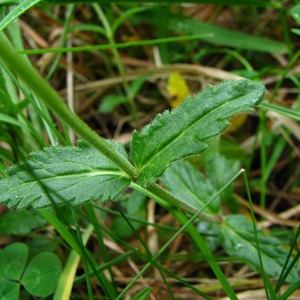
<point x="160" y="196"/>
<point x="46" y="94"/>
<point x="149" y="254"/>
<point x="270" y="292"/>
<point x="66" y="280"/>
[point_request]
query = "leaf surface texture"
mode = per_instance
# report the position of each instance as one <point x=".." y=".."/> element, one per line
<point x="190" y="186"/>
<point x="60" y="175"/>
<point x="238" y="239"/>
<point x="184" y="131"/>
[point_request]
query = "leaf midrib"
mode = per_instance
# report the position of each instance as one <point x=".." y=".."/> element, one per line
<point x="152" y="157"/>
<point x="56" y="177"/>
<point x="250" y="243"/>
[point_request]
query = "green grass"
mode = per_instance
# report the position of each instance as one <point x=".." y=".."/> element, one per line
<point x="114" y="52"/>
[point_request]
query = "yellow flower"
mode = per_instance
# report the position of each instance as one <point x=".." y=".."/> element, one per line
<point x="177" y="88"/>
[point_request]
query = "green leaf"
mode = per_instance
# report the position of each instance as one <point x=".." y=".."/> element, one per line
<point x="237" y="237"/>
<point x="295" y="13"/>
<point x="220" y="169"/>
<point x="41" y="244"/>
<point x="185" y="130"/>
<point x="136" y="85"/>
<point x="20" y="222"/>
<point x="60" y="175"/>
<point x="9" y="290"/>
<point x="13" y="260"/>
<point x="41" y="275"/>
<point x="225" y="37"/>
<point x="143" y="294"/>
<point x="7" y="119"/>
<point x="296" y="31"/>
<point x="211" y="234"/>
<point x="17" y="11"/>
<point x="120" y="228"/>
<point x="190" y="186"/>
<point x="125" y="15"/>
<point x="294" y="114"/>
<point x="134" y="206"/>
<point x="109" y="102"/>
<point x="214" y="34"/>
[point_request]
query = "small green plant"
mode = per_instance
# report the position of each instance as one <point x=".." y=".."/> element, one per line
<point x="61" y="175"/>
<point x="20" y="222"/>
<point x="77" y="175"/>
<point x="56" y="181"/>
<point x="39" y="276"/>
<point x="295" y="13"/>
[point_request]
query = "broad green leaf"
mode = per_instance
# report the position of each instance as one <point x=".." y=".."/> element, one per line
<point x="220" y="169"/>
<point x="60" y="175"/>
<point x="295" y="13"/>
<point x="13" y="260"/>
<point x="190" y="186"/>
<point x="134" y="206"/>
<point x="185" y="130"/>
<point x="9" y="290"/>
<point x="211" y="234"/>
<point x="237" y="237"/>
<point x="20" y="222"/>
<point x="42" y="273"/>
<point x="41" y="244"/>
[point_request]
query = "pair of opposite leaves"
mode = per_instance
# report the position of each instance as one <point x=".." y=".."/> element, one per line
<point x="80" y="174"/>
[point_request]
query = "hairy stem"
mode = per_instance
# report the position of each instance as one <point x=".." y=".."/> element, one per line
<point x="163" y="194"/>
<point x="46" y="94"/>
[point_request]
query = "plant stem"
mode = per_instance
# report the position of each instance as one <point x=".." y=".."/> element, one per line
<point x="263" y="159"/>
<point x="163" y="194"/>
<point x="45" y="93"/>
<point x="116" y="45"/>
